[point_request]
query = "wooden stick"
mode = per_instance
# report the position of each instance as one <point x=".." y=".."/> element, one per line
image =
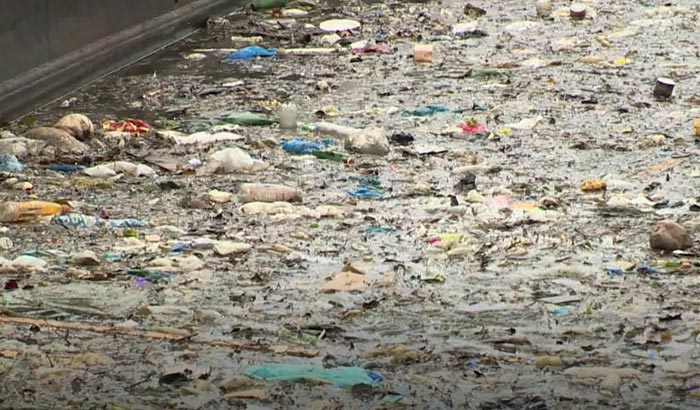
<point x="236" y="344"/>
<point x="97" y="329"/>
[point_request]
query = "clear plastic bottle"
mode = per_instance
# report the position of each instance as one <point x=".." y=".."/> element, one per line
<point x="30" y="210"/>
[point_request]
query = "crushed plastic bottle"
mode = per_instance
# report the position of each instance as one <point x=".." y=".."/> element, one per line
<point x="30" y="210"/>
<point x="230" y="160"/>
<point x="111" y="169"/>
<point x="74" y="220"/>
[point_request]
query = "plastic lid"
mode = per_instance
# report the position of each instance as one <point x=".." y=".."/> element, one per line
<point x="339" y="25"/>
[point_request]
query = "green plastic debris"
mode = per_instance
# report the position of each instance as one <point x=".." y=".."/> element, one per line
<point x="431" y="277"/>
<point x="331" y="155"/>
<point x="307" y="126"/>
<point x="131" y="233"/>
<point x="248" y="119"/>
<point x="486" y="74"/>
<point x="149" y="274"/>
<point x="268" y="4"/>
<point x="339" y="376"/>
<point x="397" y="399"/>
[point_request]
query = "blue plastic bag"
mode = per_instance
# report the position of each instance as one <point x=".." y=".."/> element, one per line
<point x="366" y="193"/>
<point x="66" y="168"/>
<point x="425" y="111"/>
<point x="339" y="376"/>
<point x="249" y="52"/>
<point x="301" y="147"/>
<point x="10" y="163"/>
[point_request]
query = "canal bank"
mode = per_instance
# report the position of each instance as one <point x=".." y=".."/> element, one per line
<point x="49" y="47"/>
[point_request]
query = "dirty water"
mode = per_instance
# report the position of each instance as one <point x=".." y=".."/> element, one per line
<point x="526" y="293"/>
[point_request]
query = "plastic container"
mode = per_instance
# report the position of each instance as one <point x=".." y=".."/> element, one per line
<point x="664" y="88"/>
<point x="269" y="193"/>
<point x="423" y="53"/>
<point x="577" y="11"/>
<point x="544" y="8"/>
<point x="288" y="115"/>
<point x="30" y="210"/>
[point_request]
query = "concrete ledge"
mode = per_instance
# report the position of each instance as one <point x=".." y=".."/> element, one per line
<point x="100" y="55"/>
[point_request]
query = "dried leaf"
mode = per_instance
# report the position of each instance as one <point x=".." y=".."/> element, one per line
<point x="346" y="282"/>
<point x="258" y="394"/>
<point x="593" y="185"/>
<point x="665" y="165"/>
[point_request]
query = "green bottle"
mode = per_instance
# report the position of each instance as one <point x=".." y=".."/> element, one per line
<point x="269" y="4"/>
<point x="331" y="155"/>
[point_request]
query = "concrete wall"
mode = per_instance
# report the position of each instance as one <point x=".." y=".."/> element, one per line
<point x="49" y="46"/>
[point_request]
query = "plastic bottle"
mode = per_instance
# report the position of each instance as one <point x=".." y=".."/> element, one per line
<point x="338" y="131"/>
<point x="269" y="193"/>
<point x="30" y="210"/>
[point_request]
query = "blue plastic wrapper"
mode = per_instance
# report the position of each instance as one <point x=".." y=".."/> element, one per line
<point x="379" y="229"/>
<point x="425" y="111"/>
<point x="301" y="147"/>
<point x="642" y="270"/>
<point x="560" y="311"/>
<point x="292" y="373"/>
<point x="66" y="168"/>
<point x="648" y="270"/>
<point x="84" y="221"/>
<point x="10" y="163"/>
<point x="124" y="223"/>
<point x="365" y="193"/>
<point x="249" y="52"/>
<point x="180" y="247"/>
<point x="76" y="220"/>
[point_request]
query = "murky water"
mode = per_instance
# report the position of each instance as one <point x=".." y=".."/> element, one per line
<point x="500" y="326"/>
